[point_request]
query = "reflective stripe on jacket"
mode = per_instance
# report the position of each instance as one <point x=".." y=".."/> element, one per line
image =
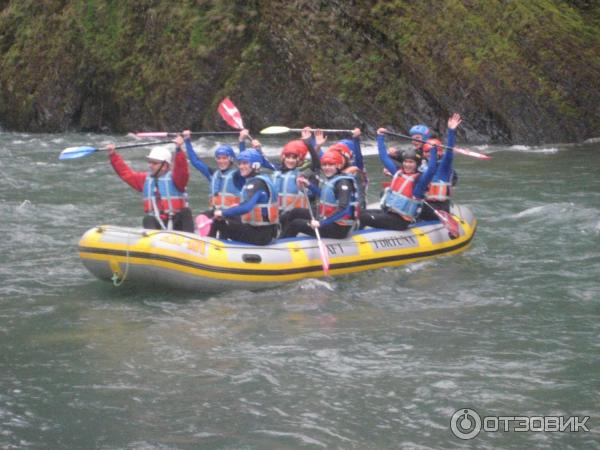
<point x="263" y="213"/>
<point x="288" y="194"/>
<point x="169" y="200"/>
<point x="328" y="202"/>
<point x="223" y="191"/>
<point x="399" y="196"/>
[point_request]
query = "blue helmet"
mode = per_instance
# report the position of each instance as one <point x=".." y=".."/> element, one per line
<point x="252" y="157"/>
<point x="421" y="130"/>
<point x="350" y="144"/>
<point x="225" y="150"/>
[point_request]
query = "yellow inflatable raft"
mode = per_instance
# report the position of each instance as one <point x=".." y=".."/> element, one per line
<point x="184" y="260"/>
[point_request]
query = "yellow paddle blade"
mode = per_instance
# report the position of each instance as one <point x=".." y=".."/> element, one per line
<point x="275" y="130"/>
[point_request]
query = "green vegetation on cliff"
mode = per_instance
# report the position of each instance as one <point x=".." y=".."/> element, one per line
<point x="518" y="71"/>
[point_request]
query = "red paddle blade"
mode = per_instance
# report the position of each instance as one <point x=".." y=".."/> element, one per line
<point x="449" y="222"/>
<point x="468" y="152"/>
<point x="230" y="114"/>
<point x="324" y="257"/>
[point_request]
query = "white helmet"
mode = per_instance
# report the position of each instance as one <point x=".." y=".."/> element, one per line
<point x="160" y="154"/>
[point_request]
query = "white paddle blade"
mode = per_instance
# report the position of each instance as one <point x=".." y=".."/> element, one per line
<point x="76" y="152"/>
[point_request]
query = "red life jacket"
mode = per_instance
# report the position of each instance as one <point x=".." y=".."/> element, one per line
<point x="399" y="198"/>
<point x="438" y="191"/>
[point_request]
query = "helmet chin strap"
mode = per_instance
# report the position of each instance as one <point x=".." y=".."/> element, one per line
<point x="155" y="174"/>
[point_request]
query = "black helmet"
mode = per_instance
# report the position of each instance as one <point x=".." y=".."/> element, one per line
<point x="411" y="154"/>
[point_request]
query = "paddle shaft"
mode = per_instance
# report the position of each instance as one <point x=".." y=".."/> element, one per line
<point x="82" y="151"/>
<point x="175" y="133"/>
<point x="326" y="130"/>
<point x="139" y="144"/>
<point x="280" y="130"/>
<point x="463" y="151"/>
<point x="322" y="248"/>
<point x="444" y="220"/>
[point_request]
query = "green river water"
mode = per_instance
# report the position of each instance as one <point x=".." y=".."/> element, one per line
<point x="376" y="360"/>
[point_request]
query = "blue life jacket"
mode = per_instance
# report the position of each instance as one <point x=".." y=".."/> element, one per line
<point x="328" y="202"/>
<point x="169" y="200"/>
<point x="263" y="213"/>
<point x="289" y="196"/>
<point x="223" y="192"/>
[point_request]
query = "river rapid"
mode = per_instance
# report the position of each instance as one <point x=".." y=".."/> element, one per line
<point x="376" y="360"/>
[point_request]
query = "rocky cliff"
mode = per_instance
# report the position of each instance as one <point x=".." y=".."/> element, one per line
<point x="518" y="71"/>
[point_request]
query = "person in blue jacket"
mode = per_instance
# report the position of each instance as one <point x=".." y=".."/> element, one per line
<point x="439" y="190"/>
<point x="420" y="133"/>
<point x="226" y="182"/>
<point x="338" y="203"/>
<point x="354" y="164"/>
<point x="402" y="200"/>
<point x="292" y="167"/>
<point x="255" y="219"/>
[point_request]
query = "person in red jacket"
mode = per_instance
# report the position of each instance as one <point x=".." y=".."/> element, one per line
<point x="163" y="187"/>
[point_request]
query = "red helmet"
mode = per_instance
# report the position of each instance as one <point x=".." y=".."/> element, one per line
<point x="431" y="143"/>
<point x="341" y="149"/>
<point x="332" y="157"/>
<point x="297" y="147"/>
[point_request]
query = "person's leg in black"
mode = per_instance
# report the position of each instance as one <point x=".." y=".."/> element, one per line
<point x="300" y="216"/>
<point x="427" y="212"/>
<point x="222" y="226"/>
<point x="297" y="226"/>
<point x="376" y="218"/>
<point x="334" y="231"/>
<point x="183" y="220"/>
<point x="244" y="232"/>
<point x="284" y="218"/>
<point x="150" y="223"/>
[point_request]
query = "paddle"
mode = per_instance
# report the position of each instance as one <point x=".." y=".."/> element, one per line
<point x="463" y="151"/>
<point x="281" y="130"/>
<point x="322" y="248"/>
<point x="203" y="223"/>
<point x="144" y="134"/>
<point x="80" y="152"/>
<point x="230" y="114"/>
<point x="447" y="220"/>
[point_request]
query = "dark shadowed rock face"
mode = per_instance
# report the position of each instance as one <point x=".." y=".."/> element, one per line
<point x="525" y="72"/>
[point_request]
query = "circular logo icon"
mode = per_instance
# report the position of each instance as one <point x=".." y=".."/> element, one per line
<point x="465" y="423"/>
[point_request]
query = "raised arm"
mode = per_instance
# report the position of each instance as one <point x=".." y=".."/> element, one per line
<point x="387" y="162"/>
<point x="196" y="162"/>
<point x="181" y="171"/>
<point x="427" y="176"/>
<point x="134" y="179"/>
<point x="444" y="171"/>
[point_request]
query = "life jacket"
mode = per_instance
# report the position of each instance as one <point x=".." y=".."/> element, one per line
<point x="362" y="182"/>
<point x="169" y="200"/>
<point x="288" y="194"/>
<point x="328" y="203"/>
<point x="439" y="191"/>
<point x="263" y="213"/>
<point x="223" y="192"/>
<point x="399" y="196"/>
